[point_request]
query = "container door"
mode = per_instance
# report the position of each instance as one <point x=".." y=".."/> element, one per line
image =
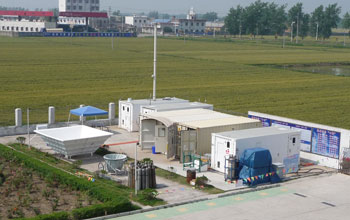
<point x="172" y="143"/>
<point x="126" y="117"/>
<point x="161" y="139"/>
<point x="291" y="162"/>
<point x="188" y="143"/>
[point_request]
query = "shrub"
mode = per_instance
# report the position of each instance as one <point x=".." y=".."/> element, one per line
<point x="53" y="216"/>
<point x="201" y="181"/>
<point x="108" y="208"/>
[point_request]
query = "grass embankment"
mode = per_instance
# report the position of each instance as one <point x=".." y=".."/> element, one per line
<point x="182" y="180"/>
<point x="225" y="74"/>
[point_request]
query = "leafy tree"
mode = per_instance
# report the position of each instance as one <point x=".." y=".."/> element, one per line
<point x="210" y="16"/>
<point x="296" y="14"/>
<point x="326" y="18"/>
<point x="317" y="16"/>
<point x="153" y="14"/>
<point x="254" y="19"/>
<point x="278" y="19"/>
<point x="346" y="21"/>
<point x="233" y="20"/>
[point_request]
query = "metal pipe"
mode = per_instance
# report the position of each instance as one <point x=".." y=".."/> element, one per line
<point x="155" y="63"/>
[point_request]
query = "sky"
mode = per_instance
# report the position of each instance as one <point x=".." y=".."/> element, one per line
<point x="174" y="6"/>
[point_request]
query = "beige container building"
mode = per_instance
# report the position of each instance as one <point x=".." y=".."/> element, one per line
<point x="185" y="132"/>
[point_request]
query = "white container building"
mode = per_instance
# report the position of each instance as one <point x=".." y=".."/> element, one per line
<point x="184" y="132"/>
<point x="130" y="110"/>
<point x="284" y="146"/>
<point x="175" y="106"/>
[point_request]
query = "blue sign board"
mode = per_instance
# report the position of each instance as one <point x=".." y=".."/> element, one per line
<point x="84" y="34"/>
<point x="314" y="140"/>
<point x="325" y="142"/>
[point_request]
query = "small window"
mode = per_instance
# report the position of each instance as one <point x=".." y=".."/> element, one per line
<point x="127" y="109"/>
<point x="218" y="164"/>
<point x="122" y="121"/>
<point x="294" y="140"/>
<point x="161" y="132"/>
<point x="228" y="144"/>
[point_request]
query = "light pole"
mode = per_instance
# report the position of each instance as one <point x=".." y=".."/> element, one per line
<point x="317" y="31"/>
<point x="291" y="32"/>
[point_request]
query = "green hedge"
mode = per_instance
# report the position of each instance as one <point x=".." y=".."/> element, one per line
<point x="53" y="216"/>
<point x="114" y="202"/>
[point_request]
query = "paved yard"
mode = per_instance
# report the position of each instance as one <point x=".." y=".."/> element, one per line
<point x="322" y="197"/>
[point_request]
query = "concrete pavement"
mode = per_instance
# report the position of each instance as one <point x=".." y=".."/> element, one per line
<point x="320" y="197"/>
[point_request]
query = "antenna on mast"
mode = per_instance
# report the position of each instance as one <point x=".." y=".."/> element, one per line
<point x="155" y="63"/>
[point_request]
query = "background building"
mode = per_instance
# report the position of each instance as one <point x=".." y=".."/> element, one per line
<point x="137" y="21"/>
<point x="79" y="5"/>
<point x="26" y="21"/>
<point x="191" y="25"/>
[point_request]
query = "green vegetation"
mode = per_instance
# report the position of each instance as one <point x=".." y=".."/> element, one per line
<point x="182" y="180"/>
<point x="115" y="198"/>
<point x="39" y="72"/>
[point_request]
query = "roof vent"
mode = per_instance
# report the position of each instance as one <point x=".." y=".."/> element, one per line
<point x="129" y="99"/>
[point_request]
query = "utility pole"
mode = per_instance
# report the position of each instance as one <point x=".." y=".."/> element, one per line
<point x="155" y="63"/>
<point x="136" y="168"/>
<point x="284" y="39"/>
<point x="317" y="32"/>
<point x="291" y="32"/>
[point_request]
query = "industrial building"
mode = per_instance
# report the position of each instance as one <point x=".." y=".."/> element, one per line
<point x="79" y="5"/>
<point x="137" y="21"/>
<point x="130" y="110"/>
<point x="283" y="144"/>
<point x="191" y="24"/>
<point x="185" y="132"/>
<point x="26" y="21"/>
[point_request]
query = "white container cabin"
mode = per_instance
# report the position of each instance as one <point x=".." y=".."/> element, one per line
<point x="284" y="146"/>
<point x="130" y="110"/>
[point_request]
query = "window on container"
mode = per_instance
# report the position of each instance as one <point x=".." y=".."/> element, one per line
<point x="294" y="140"/>
<point x="74" y="7"/>
<point x="218" y="164"/>
<point x="127" y="109"/>
<point x="122" y="121"/>
<point x="228" y="144"/>
<point x="161" y="132"/>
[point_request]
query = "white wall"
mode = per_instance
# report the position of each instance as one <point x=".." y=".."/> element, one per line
<point x="137" y="21"/>
<point x="320" y="159"/>
<point x="25" y="26"/>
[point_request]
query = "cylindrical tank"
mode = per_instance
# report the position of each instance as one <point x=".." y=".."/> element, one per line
<point x="18" y="117"/>
<point x="143" y="178"/>
<point x="51" y="119"/>
<point x="147" y="178"/>
<point x="154" y="177"/>
<point x="138" y="178"/>
<point x="111" y="112"/>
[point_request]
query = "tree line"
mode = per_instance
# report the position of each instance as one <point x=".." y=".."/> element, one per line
<point x="263" y="18"/>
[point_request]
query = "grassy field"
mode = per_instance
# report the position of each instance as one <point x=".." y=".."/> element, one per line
<point x="39" y="72"/>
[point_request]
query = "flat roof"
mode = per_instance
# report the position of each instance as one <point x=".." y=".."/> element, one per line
<point x="157" y="101"/>
<point x="197" y="118"/>
<point x="256" y="132"/>
<point x="174" y="106"/>
<point x="72" y="133"/>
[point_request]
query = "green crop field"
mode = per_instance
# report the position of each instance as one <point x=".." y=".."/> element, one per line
<point x="39" y="72"/>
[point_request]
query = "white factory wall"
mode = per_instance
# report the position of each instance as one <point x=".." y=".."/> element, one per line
<point x="25" y="26"/>
<point x="344" y="142"/>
